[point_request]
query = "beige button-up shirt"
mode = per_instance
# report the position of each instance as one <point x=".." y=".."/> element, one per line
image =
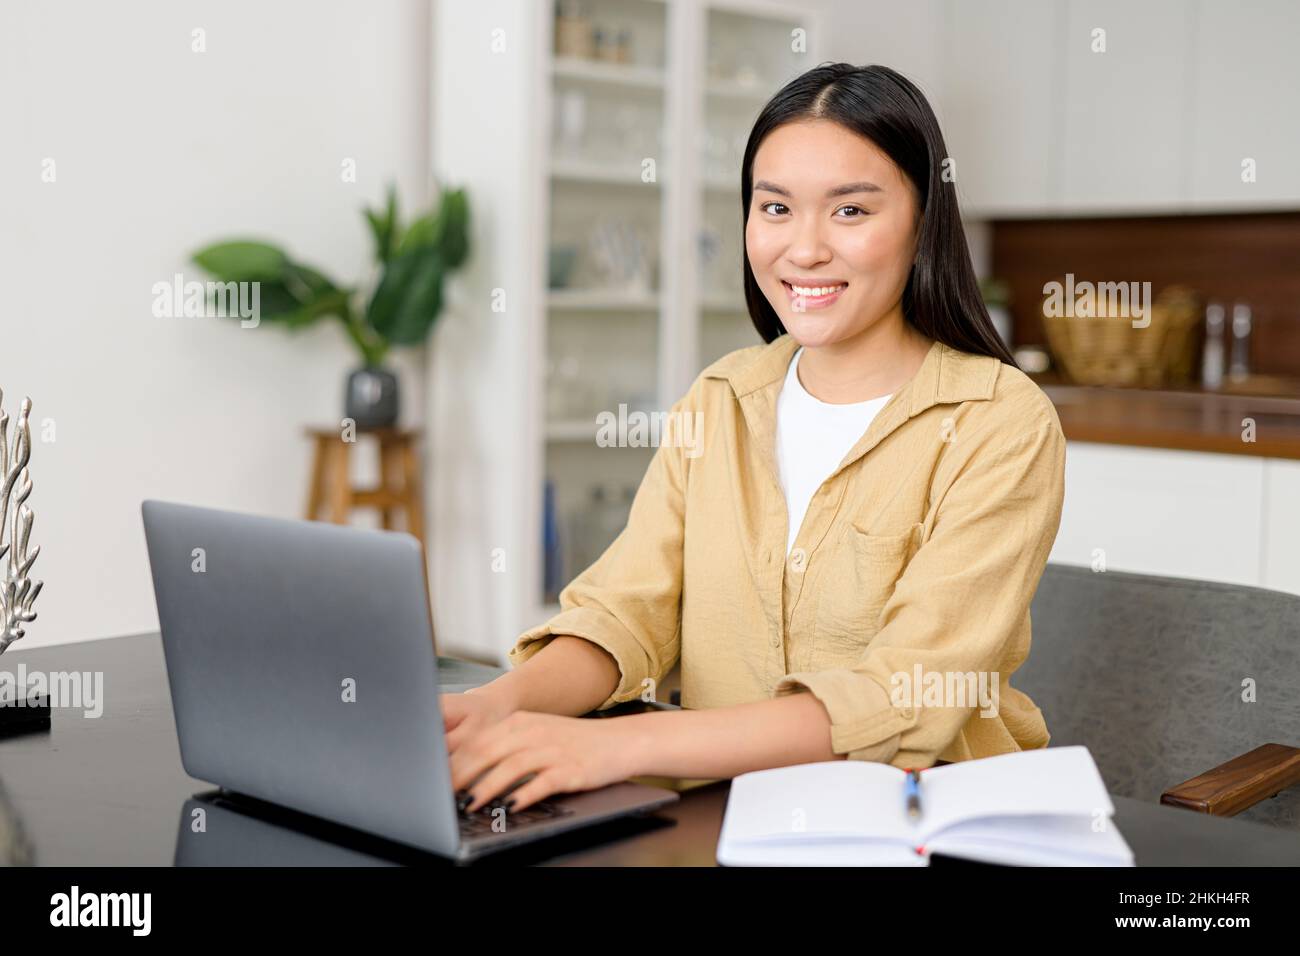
<point x="904" y="604"/>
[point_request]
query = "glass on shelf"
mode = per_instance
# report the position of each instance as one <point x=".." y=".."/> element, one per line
<point x="570" y="134"/>
<point x="570" y="393"/>
<point x="749" y="54"/>
<point x="637" y="128"/>
<point x="620" y="132"/>
<point x="621" y="254"/>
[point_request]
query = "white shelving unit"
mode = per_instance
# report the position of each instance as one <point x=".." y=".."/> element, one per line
<point x="556" y="151"/>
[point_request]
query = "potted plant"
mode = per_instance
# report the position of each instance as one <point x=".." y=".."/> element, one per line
<point x="401" y="308"/>
<point x="997" y="299"/>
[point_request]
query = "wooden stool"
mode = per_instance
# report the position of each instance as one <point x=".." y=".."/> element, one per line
<point x="399" y="488"/>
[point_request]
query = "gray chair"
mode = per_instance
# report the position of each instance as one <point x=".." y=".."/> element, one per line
<point x="1148" y="673"/>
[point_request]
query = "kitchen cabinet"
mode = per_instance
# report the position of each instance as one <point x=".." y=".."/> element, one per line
<point x="1247" y="97"/>
<point x="1161" y="122"/>
<point x="1281" y="529"/>
<point x="1000" y="97"/>
<point x="1199" y="515"/>
<point x="1128" y="107"/>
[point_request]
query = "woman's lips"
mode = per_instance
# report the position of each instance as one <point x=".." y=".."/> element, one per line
<point x="804" y="302"/>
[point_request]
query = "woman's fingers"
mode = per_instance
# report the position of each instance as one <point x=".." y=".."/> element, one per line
<point x="454" y="710"/>
<point x="458" y="736"/>
<point x="508" y="772"/>
<point x="464" y="715"/>
<point x="545" y="784"/>
<point x="486" y="748"/>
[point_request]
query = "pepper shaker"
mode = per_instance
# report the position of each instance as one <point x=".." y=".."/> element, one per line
<point x="1239" y="366"/>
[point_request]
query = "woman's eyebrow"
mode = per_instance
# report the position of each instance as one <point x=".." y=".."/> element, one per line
<point x="844" y="190"/>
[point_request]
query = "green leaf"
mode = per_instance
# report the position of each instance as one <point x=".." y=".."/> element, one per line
<point x="383" y="227"/>
<point x="315" y="295"/>
<point x="275" y="303"/>
<point x="306" y="284"/>
<point x="419" y="235"/>
<point x="445" y="229"/>
<point x="451" y="229"/>
<point x="242" y="261"/>
<point x="408" y="298"/>
<point x="333" y="302"/>
<point x="302" y="297"/>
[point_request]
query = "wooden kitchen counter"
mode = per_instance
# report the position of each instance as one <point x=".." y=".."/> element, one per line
<point x="1184" y="420"/>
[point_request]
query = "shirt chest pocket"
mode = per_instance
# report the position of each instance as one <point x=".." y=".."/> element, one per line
<point x="856" y="579"/>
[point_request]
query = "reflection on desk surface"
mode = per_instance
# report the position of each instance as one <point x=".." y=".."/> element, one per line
<point x="218" y="828"/>
<point x="211" y="833"/>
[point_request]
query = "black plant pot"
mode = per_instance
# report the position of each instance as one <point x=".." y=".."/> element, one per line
<point x="371" y="399"/>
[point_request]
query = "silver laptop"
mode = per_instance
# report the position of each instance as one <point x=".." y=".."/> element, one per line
<point x="302" y="671"/>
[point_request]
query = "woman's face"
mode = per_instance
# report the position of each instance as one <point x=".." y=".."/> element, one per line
<point x="831" y="233"/>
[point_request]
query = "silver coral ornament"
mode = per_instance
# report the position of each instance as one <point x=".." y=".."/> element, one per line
<point x="17" y="593"/>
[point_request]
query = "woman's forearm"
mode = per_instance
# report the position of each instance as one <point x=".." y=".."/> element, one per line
<point x="569" y="676"/>
<point x="725" y="741"/>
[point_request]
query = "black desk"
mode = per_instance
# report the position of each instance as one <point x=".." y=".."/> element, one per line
<point x="111" y="791"/>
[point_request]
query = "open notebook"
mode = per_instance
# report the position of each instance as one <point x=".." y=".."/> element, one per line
<point x="1044" y="807"/>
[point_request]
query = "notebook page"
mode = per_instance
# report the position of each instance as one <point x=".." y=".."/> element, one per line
<point x="1050" y="781"/>
<point x="1035" y="841"/>
<point x="807" y="801"/>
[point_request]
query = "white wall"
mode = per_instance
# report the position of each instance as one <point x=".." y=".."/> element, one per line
<point x="485" y="523"/>
<point x="157" y="151"/>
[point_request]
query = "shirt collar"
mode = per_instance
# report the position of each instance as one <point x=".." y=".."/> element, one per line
<point x="947" y="375"/>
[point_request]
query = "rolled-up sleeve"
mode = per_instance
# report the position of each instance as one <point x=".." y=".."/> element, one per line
<point x="629" y="600"/>
<point x="961" y="600"/>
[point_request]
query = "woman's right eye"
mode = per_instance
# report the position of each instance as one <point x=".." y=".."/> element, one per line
<point x="767" y="207"/>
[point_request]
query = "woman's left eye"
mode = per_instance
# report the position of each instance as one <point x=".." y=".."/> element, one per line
<point x="856" y="209"/>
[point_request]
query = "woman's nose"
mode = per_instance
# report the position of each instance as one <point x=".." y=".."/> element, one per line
<point x="808" y="245"/>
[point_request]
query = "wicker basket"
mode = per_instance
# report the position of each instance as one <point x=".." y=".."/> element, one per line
<point x="1108" y="350"/>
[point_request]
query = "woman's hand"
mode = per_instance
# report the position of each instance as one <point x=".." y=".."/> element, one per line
<point x="565" y="755"/>
<point x="467" y="714"/>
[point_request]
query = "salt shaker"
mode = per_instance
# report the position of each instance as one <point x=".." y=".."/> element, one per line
<point x="1212" y="356"/>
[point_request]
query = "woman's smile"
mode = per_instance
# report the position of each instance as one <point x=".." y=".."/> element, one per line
<point x="813" y="296"/>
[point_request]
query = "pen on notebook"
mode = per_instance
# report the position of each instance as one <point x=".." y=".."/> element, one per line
<point x="912" y="793"/>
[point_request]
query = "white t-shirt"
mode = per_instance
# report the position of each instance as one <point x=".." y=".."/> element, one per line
<point x="812" y="438"/>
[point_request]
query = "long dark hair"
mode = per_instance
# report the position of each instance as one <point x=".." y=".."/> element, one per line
<point x="942" y="298"/>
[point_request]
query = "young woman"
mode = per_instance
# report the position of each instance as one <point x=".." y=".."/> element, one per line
<point x="844" y="558"/>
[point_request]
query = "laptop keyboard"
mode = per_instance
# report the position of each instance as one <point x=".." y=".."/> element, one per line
<point x="480" y="822"/>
